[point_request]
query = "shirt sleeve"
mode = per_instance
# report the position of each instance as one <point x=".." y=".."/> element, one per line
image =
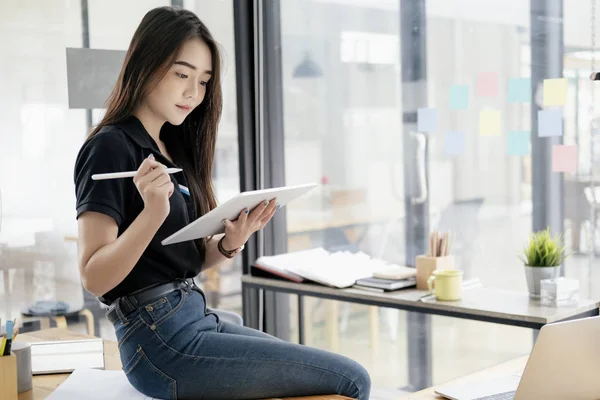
<point x="105" y="152"/>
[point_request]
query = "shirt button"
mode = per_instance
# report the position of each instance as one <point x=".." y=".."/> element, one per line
<point x="153" y="327"/>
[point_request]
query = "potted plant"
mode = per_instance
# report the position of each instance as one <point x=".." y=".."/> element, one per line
<point x="542" y="257"/>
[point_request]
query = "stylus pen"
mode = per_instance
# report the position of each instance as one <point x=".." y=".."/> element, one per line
<point x="127" y="174"/>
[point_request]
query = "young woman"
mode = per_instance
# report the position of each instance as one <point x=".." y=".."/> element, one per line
<point x="164" y="112"/>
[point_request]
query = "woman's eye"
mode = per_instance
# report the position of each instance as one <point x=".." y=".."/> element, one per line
<point x="203" y="83"/>
<point x="182" y="76"/>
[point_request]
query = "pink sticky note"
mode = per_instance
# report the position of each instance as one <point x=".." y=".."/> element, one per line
<point x="564" y="158"/>
<point x="487" y="84"/>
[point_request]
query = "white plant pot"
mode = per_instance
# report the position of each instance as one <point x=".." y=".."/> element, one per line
<point x="535" y="275"/>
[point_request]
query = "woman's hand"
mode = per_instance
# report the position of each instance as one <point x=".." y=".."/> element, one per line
<point x="237" y="232"/>
<point x="155" y="186"/>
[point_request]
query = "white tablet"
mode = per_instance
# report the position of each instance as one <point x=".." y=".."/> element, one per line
<point x="212" y="222"/>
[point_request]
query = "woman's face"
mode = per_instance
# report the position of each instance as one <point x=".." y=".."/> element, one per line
<point x="183" y="87"/>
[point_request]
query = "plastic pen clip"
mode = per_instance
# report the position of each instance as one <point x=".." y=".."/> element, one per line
<point x="184" y="190"/>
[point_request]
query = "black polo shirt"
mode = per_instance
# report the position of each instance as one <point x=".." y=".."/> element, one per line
<point x="123" y="147"/>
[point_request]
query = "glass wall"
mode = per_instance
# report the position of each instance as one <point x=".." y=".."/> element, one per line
<point x="40" y="137"/>
<point x="581" y="32"/>
<point x="348" y="111"/>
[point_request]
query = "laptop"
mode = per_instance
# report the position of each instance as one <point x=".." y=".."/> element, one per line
<point x="564" y="364"/>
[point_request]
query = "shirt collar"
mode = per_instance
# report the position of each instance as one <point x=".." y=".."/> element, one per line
<point x="134" y="128"/>
<point x="136" y="131"/>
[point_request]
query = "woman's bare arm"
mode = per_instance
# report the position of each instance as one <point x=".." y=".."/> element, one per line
<point x="213" y="256"/>
<point x="105" y="258"/>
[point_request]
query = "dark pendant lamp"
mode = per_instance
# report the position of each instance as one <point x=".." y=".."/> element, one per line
<point x="307" y="68"/>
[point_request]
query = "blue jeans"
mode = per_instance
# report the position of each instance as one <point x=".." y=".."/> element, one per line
<point x="175" y="348"/>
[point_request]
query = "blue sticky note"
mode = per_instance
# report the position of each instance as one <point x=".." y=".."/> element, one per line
<point x="454" y="143"/>
<point x="459" y="97"/>
<point x="519" y="90"/>
<point x="518" y="143"/>
<point x="550" y="123"/>
<point x="426" y="120"/>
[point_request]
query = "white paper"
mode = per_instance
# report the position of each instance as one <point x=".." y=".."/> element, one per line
<point x="97" y="384"/>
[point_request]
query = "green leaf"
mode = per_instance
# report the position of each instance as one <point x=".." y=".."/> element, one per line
<point x="544" y="250"/>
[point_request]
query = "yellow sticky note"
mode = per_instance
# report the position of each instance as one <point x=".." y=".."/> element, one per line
<point x="489" y="123"/>
<point x="555" y="92"/>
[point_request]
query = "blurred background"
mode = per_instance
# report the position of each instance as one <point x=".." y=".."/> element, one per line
<point x="350" y="75"/>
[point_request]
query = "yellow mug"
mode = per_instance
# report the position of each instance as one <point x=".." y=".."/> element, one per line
<point x="446" y="284"/>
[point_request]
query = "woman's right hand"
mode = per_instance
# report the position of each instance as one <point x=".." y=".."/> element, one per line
<point x="155" y="186"/>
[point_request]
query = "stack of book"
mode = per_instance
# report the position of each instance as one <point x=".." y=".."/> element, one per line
<point x="50" y="355"/>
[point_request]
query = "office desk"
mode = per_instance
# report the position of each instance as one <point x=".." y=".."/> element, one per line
<point x="497" y="371"/>
<point x="478" y="303"/>
<point x="43" y="385"/>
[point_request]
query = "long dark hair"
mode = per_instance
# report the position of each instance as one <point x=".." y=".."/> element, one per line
<point x="152" y="51"/>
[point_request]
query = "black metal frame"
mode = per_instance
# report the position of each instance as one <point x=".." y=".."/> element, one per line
<point x="413" y="50"/>
<point x="260" y="133"/>
<point x="246" y="87"/>
<point x="547" y="48"/>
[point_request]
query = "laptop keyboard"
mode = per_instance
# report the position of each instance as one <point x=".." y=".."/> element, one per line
<point x="499" y="396"/>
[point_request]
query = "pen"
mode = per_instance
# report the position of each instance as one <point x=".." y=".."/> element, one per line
<point x="9" y="333"/>
<point x="127" y="174"/>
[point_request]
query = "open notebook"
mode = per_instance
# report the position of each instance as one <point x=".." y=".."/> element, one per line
<point x="340" y="269"/>
<point x="97" y="384"/>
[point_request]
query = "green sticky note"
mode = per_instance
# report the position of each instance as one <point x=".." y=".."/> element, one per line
<point x="518" y="143"/>
<point x="459" y="97"/>
<point x="519" y="90"/>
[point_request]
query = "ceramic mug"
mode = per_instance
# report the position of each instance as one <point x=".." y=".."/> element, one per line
<point x="446" y="284"/>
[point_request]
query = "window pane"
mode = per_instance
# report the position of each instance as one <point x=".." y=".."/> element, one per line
<point x="347" y="114"/>
<point x="39" y="139"/>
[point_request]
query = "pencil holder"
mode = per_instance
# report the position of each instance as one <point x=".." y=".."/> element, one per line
<point x="426" y="265"/>
<point x="8" y="377"/>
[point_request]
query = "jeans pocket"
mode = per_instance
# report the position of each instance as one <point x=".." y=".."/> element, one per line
<point x="164" y="308"/>
<point x="147" y="378"/>
<point x="159" y="308"/>
<point x="124" y="332"/>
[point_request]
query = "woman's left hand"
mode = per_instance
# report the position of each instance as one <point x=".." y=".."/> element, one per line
<point x="237" y="232"/>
